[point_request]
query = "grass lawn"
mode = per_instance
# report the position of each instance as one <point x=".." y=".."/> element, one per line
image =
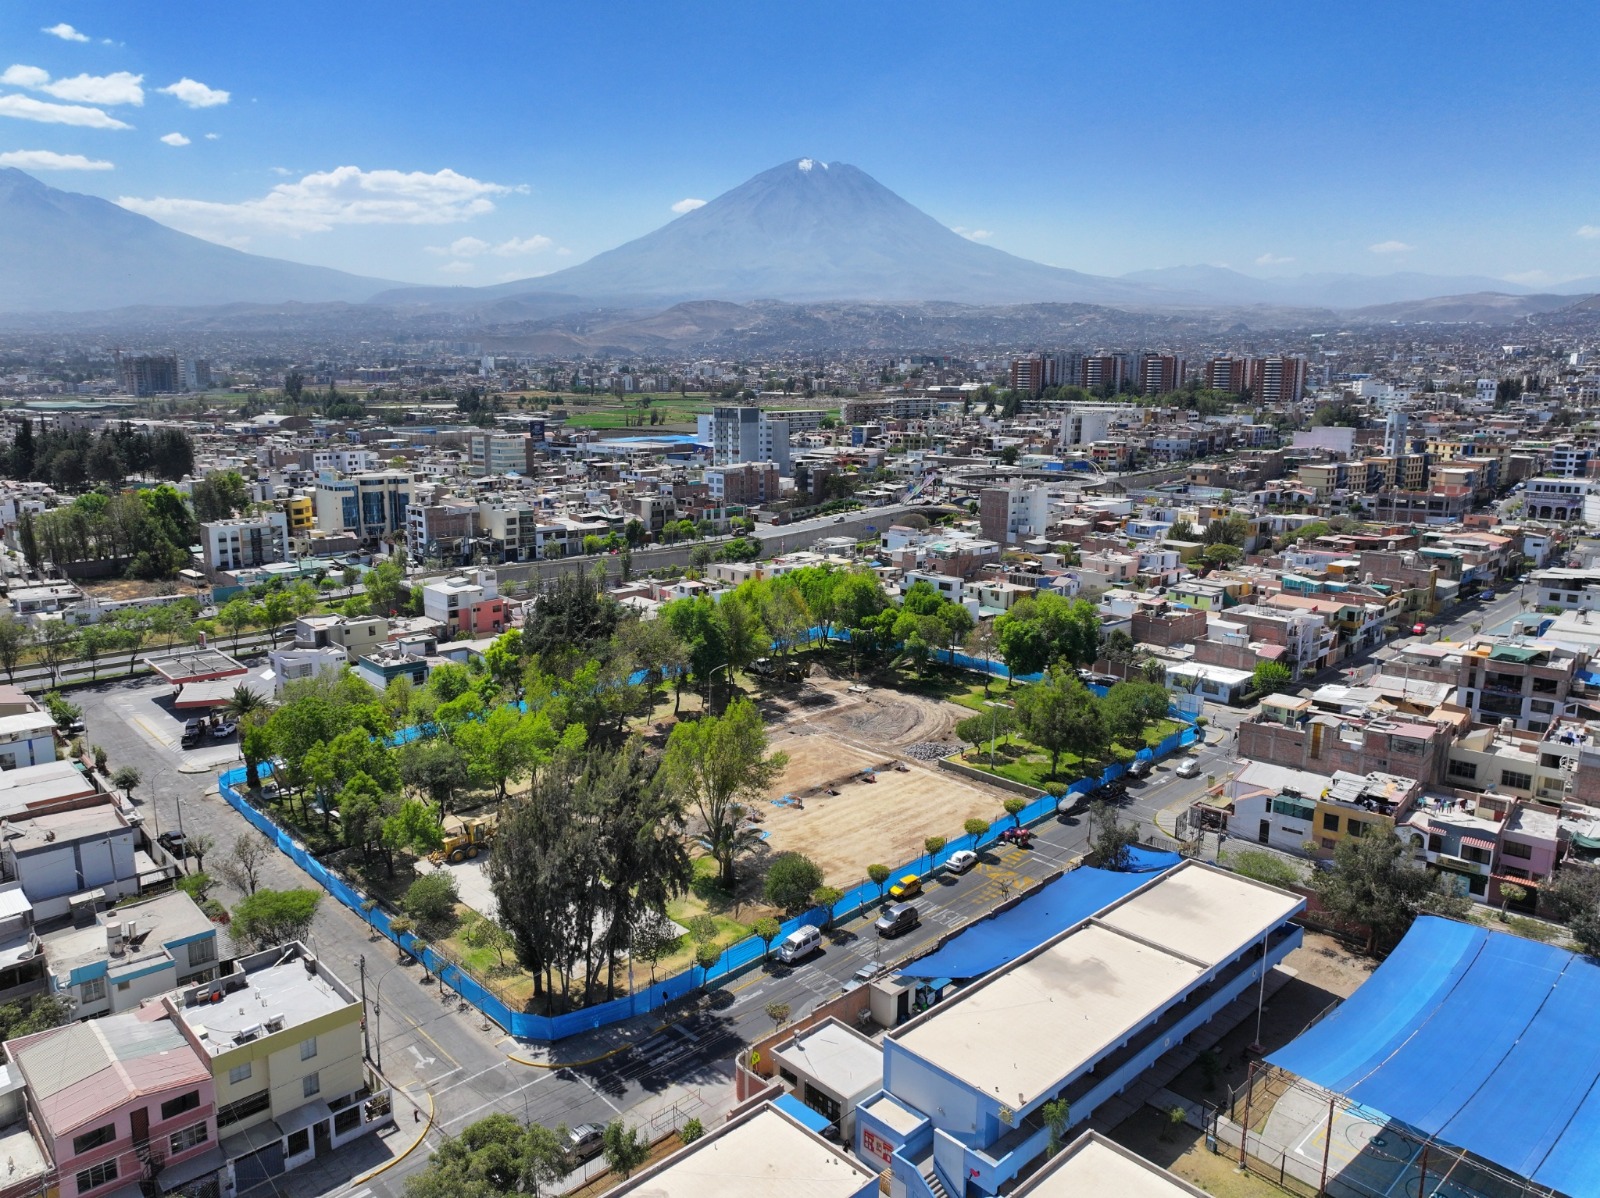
<point x="1022" y="761"/>
<point x="733" y="916"/>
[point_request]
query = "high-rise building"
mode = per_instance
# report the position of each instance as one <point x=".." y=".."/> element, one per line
<point x="746" y="434"/>
<point x="148" y="374"/>
<point x="1027" y="374"/>
<point x="1282" y="379"/>
<point x="1160" y="373"/>
<point x="367" y="505"/>
<point x="196" y="374"/>
<point x="1107" y="370"/>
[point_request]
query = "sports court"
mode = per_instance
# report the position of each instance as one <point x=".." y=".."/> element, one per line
<point x="1469" y="1055"/>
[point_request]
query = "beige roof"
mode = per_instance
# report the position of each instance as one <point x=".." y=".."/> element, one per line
<point x="1093" y="1165"/>
<point x="1018" y="1034"/>
<point x="1203" y="914"/>
<point x="766" y="1155"/>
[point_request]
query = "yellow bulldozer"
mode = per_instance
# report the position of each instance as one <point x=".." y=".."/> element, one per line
<point x="467" y="839"/>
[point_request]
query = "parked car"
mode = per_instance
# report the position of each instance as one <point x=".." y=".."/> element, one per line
<point x="194" y="731"/>
<point x="799" y="944"/>
<point x="175" y="843"/>
<point x="1141" y="768"/>
<point x="1070" y="804"/>
<point x="1189" y="768"/>
<point x="868" y="972"/>
<point x="585" y="1142"/>
<point x="75" y="728"/>
<point x="898" y="919"/>
<point x="224" y="729"/>
<point x="1021" y="837"/>
<point x="907" y="887"/>
<point x="1418" y="628"/>
<point x="961" y="861"/>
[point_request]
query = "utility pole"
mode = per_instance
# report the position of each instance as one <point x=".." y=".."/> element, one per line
<point x="366" y="1039"/>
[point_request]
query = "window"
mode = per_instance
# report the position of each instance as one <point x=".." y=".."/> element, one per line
<point x="1512" y="849"/>
<point x="1293" y="808"/>
<point x="93" y="989"/>
<point x="1435" y="843"/>
<point x="174" y="1107"/>
<point x="239" y="1073"/>
<point x="244" y="1108"/>
<point x="346" y="1121"/>
<point x="1327" y="842"/>
<point x="310" y="1085"/>
<point x="1357" y="827"/>
<point x="1330" y="822"/>
<point x="97" y="1175"/>
<point x="93" y="1139"/>
<point x="123" y="986"/>
<point x="308" y="1048"/>
<point x="202" y="951"/>
<point x="1515" y="780"/>
<point x="1462" y="769"/>
<point x="189" y="1137"/>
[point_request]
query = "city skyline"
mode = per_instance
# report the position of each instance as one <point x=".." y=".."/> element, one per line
<point x="478" y="146"/>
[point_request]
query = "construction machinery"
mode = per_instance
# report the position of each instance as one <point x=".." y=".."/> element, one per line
<point x="467" y="839"/>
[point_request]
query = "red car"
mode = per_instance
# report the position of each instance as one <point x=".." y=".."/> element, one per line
<point x="1021" y="837"/>
<point x="1418" y="628"/>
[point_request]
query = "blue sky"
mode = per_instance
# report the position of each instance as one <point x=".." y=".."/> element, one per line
<point x="474" y="142"/>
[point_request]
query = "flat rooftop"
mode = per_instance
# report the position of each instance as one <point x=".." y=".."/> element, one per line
<point x="1074" y="998"/>
<point x="159" y="922"/>
<point x="1094" y="1165"/>
<point x="194" y="665"/>
<point x="1203" y="914"/>
<point x="289" y="990"/>
<point x="837" y="1056"/>
<point x="763" y="1154"/>
<point x="26" y="833"/>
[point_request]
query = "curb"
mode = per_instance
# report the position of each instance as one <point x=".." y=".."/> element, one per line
<point x="427" y="1126"/>
<point x="619" y="1049"/>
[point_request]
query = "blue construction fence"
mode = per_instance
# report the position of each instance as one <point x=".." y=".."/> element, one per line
<point x="737" y="957"/>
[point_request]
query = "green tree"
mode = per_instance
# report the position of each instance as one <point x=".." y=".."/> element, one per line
<point x="1014" y="808"/>
<point x="1270" y="678"/>
<point x="1060" y="714"/>
<point x="39" y="1013"/>
<point x="272" y="917"/>
<point x="767" y="928"/>
<point x="719" y="764"/>
<point x="242" y="867"/>
<point x="1057" y="1114"/>
<point x="386" y="588"/>
<point x="976" y="827"/>
<point x="791" y="877"/>
<point x="879" y="876"/>
<point x="431" y="900"/>
<point x="1373" y="884"/>
<point x="1222" y="555"/>
<point x="236" y="615"/>
<point x="127" y="779"/>
<point x="15" y="637"/>
<point x="1112" y="839"/>
<point x="1131" y="707"/>
<point x="624" y="1147"/>
<point x="931" y="845"/>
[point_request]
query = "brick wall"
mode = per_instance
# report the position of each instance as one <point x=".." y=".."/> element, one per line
<point x="1169" y="628"/>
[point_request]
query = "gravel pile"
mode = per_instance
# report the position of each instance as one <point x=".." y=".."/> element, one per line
<point x="932" y="750"/>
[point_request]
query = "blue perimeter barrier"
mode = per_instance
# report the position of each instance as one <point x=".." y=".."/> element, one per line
<point x="735" y="958"/>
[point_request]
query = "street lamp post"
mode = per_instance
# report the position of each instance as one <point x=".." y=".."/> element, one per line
<point x="994" y="714"/>
<point x="374" y="1041"/>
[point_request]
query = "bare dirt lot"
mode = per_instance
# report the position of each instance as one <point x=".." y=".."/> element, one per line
<point x="834" y="739"/>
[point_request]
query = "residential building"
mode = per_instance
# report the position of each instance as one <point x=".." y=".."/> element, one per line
<point x="1160" y="373"/>
<point x="1016" y="513"/>
<point x="1285" y="731"/>
<point x="748" y="484"/>
<point x="121" y="1102"/>
<point x="282" y="1039"/>
<point x="746" y="434"/>
<point x="501" y="453"/>
<point x="242" y="544"/>
<point x="74" y="855"/>
<point x="26" y="738"/>
<point x="1282" y="380"/>
<point x="148" y="374"/>
<point x="1555" y="498"/>
<point x="441" y="531"/>
<point x="114" y="960"/>
<point x="462" y="605"/>
<point x="300" y="516"/>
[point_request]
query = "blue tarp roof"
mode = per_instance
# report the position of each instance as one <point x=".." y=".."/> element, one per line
<point x="1003" y="938"/>
<point x="1479" y="1039"/>
<point x="790" y="1105"/>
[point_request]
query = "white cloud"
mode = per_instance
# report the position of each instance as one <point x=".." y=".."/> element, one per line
<point x="1270" y="259"/>
<point x="1531" y="278"/>
<point x="689" y="204"/>
<point x="65" y="32"/>
<point x="457" y="266"/>
<point x="467" y="247"/>
<point x="973" y="234"/>
<point x="120" y="87"/>
<point x="522" y="245"/>
<point x="282" y="171"/>
<point x="1589" y="231"/>
<point x="1391" y="247"/>
<point x="174" y="139"/>
<point x="26" y="108"/>
<point x="213" y="137"/>
<point x="196" y="94"/>
<point x="324" y="200"/>
<point x="563" y="252"/>
<point x="49" y="160"/>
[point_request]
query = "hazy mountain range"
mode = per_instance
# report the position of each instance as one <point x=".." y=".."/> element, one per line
<point x="804" y="232"/>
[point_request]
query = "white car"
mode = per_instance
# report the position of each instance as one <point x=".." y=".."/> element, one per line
<point x="1189" y="769"/>
<point x="961" y="861"/>
<point x="224" y="729"/>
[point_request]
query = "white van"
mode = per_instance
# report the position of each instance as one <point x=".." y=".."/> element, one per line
<point x="799" y="944"/>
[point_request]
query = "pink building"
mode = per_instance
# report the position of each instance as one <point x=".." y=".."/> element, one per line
<point x="121" y="1100"/>
<point x="1526" y="856"/>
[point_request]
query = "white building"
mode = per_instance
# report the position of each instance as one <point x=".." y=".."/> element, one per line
<point x="241" y="544"/>
<point x="369" y="506"/>
<point x="746" y="434"/>
<point x="131" y="954"/>
<point x="498" y="453"/>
